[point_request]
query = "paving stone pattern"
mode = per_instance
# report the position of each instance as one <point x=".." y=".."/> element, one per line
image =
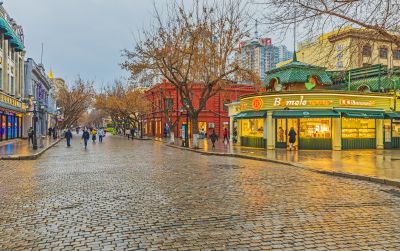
<point x="128" y="195"/>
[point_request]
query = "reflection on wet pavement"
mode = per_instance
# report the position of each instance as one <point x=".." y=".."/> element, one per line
<point x="21" y="147"/>
<point x="143" y="195"/>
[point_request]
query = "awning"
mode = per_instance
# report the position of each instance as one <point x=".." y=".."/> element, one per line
<point x="392" y="115"/>
<point x="364" y="113"/>
<point x="305" y="114"/>
<point x="257" y="114"/>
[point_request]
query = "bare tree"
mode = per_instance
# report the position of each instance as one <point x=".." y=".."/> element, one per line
<point x="123" y="104"/>
<point x="192" y="47"/>
<point x="74" y="101"/>
<point x="381" y="17"/>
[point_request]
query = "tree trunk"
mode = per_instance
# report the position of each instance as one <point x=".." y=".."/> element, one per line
<point x="195" y="131"/>
<point x="171" y="134"/>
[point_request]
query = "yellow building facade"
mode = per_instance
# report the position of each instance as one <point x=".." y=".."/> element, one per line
<point x="348" y="48"/>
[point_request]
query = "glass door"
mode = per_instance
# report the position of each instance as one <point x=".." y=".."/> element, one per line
<point x="281" y="133"/>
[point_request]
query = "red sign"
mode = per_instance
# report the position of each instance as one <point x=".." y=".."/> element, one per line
<point x="257" y="104"/>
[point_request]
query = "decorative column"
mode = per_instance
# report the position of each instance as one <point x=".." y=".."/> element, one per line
<point x="270" y="131"/>
<point x="379" y="134"/>
<point x="230" y="128"/>
<point x="336" y="134"/>
<point x="239" y="131"/>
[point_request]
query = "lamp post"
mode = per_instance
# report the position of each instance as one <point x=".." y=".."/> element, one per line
<point x="34" y="121"/>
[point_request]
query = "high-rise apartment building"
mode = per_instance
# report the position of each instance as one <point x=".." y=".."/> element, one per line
<point x="260" y="55"/>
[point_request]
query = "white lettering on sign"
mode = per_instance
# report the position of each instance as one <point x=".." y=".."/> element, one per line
<point x="301" y="102"/>
<point x="356" y="103"/>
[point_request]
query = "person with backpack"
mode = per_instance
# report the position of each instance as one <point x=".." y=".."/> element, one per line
<point x="213" y="137"/>
<point x="85" y="137"/>
<point x="68" y="137"/>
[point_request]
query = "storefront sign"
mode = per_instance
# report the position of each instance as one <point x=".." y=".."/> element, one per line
<point x="257" y="104"/>
<point x="9" y="100"/>
<point x="353" y="102"/>
<point x="300" y="102"/>
<point x="323" y="100"/>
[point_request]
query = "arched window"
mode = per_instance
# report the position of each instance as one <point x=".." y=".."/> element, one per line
<point x="367" y="51"/>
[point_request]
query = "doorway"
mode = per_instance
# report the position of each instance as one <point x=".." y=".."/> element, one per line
<point x="283" y="126"/>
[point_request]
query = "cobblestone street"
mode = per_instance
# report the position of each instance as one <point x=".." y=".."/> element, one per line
<point x="143" y="195"/>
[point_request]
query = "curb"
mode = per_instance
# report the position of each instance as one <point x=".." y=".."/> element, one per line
<point x="376" y="180"/>
<point x="32" y="156"/>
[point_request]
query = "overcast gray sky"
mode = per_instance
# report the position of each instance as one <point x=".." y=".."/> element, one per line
<point x="82" y="37"/>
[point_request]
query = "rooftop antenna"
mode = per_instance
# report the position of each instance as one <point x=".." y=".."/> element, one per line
<point x="256" y="32"/>
<point x="41" y="56"/>
<point x="294" y="38"/>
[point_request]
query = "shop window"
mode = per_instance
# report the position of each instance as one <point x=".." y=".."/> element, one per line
<point x="225" y="107"/>
<point x="396" y="54"/>
<point x="252" y="127"/>
<point x="168" y="103"/>
<point x="367" y="51"/>
<point x="387" y="129"/>
<point x="315" y="128"/>
<point x="358" y="128"/>
<point x="396" y="129"/>
<point x="203" y="127"/>
<point x="383" y="52"/>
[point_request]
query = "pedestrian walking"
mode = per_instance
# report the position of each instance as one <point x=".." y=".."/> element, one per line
<point x="54" y="133"/>
<point x="128" y="133"/>
<point x="213" y="137"/>
<point x="292" y="138"/>
<point x="226" y="137"/>
<point x="50" y="131"/>
<point x="132" y="132"/>
<point x="30" y="135"/>
<point x="100" y="132"/>
<point x="94" y="133"/>
<point x="68" y="137"/>
<point x="85" y="137"/>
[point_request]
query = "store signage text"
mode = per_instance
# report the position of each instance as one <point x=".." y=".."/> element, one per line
<point x="10" y="100"/>
<point x="356" y="102"/>
<point x="301" y="102"/>
<point x="257" y="104"/>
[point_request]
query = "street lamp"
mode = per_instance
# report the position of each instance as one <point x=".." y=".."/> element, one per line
<point x="34" y="121"/>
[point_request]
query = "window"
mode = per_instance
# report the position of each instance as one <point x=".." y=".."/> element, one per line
<point x="396" y="54"/>
<point x="367" y="51"/>
<point x="168" y="103"/>
<point x="252" y="127"/>
<point x="225" y="107"/>
<point x="315" y="128"/>
<point x="11" y="85"/>
<point x="396" y="129"/>
<point x="353" y="128"/>
<point x="383" y="52"/>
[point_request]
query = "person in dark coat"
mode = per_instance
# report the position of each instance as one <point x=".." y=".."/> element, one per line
<point x="292" y="138"/>
<point x="68" y="137"/>
<point x="213" y="137"/>
<point x="85" y="137"/>
<point x="132" y="132"/>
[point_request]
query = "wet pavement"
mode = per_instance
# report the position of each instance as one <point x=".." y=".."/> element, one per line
<point x="384" y="164"/>
<point x="127" y="195"/>
<point x="21" y="147"/>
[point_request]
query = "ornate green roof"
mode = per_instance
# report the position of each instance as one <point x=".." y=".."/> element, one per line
<point x="297" y="72"/>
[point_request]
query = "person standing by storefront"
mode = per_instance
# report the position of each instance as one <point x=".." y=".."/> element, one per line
<point x="68" y="137"/>
<point x="292" y="138"/>
<point x="30" y="135"/>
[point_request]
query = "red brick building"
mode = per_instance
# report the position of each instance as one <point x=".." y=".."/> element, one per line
<point x="213" y="117"/>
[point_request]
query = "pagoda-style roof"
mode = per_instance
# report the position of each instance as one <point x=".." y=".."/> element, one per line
<point x="297" y="72"/>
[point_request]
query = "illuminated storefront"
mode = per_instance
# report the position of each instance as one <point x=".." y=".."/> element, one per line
<point x="10" y="118"/>
<point x="321" y="120"/>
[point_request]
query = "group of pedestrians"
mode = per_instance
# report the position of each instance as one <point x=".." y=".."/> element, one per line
<point x="86" y="135"/>
<point x="214" y="138"/>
